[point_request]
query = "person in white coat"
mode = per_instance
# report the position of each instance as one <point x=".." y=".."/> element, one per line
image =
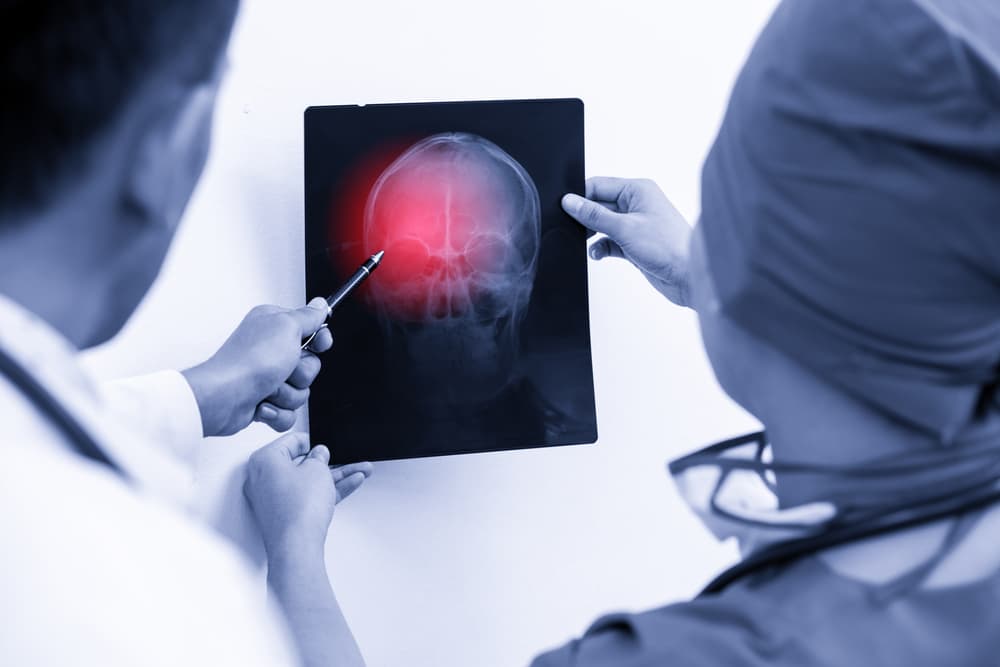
<point x="105" y="130"/>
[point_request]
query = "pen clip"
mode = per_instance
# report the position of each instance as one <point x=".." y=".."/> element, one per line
<point x="305" y="343"/>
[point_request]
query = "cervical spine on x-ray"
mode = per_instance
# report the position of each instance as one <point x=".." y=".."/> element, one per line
<point x="459" y="220"/>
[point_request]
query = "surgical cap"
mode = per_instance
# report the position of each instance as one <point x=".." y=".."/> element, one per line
<point x="851" y="202"/>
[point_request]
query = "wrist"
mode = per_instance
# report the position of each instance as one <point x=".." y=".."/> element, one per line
<point x="295" y="553"/>
<point x="682" y="285"/>
<point x="675" y="275"/>
<point x="673" y="282"/>
<point x="214" y="393"/>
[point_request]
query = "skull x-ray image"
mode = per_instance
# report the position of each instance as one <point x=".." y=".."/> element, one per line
<point x="473" y="334"/>
<point x="460" y="220"/>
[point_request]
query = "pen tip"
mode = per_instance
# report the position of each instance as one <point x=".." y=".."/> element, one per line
<point x="377" y="257"/>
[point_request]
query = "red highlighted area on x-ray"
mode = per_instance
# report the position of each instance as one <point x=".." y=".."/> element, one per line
<point x="458" y="219"/>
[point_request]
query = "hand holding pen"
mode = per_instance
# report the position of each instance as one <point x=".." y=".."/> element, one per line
<point x="263" y="371"/>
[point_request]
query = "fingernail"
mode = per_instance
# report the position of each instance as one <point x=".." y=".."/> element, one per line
<point x="593" y="252"/>
<point x="267" y="412"/>
<point x="570" y="201"/>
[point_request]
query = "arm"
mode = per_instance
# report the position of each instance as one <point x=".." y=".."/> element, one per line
<point x="293" y="493"/>
<point x="300" y="583"/>
<point x="259" y="374"/>
<point x="159" y="405"/>
<point x="640" y="225"/>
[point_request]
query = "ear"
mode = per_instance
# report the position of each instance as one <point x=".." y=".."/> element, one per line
<point x="169" y="154"/>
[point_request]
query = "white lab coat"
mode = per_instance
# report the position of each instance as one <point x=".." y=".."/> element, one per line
<point x="95" y="570"/>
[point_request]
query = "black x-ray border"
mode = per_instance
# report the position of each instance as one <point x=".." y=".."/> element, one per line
<point x="547" y="138"/>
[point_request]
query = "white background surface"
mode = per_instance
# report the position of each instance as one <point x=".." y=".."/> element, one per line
<point x="486" y="559"/>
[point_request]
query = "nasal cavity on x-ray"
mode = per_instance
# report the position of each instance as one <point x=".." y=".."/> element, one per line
<point x="453" y="213"/>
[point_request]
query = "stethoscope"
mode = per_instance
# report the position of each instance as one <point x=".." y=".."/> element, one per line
<point x="81" y="441"/>
<point x="980" y="496"/>
<point x="784" y="553"/>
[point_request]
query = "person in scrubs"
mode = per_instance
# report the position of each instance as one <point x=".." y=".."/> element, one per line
<point x="846" y="274"/>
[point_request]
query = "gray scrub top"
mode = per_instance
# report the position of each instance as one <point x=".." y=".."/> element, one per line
<point x="800" y="615"/>
<point x="804" y="614"/>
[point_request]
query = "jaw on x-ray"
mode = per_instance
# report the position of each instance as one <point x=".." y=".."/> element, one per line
<point x="473" y="335"/>
<point x="460" y="222"/>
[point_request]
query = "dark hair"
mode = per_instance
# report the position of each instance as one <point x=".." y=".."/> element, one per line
<point x="68" y="68"/>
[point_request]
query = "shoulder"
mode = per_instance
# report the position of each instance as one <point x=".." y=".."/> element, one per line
<point x="726" y="629"/>
<point x="802" y="614"/>
<point x="95" y="574"/>
<point x="778" y="618"/>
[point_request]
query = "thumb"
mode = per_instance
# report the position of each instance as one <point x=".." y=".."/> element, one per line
<point x="311" y="317"/>
<point x="592" y="215"/>
<point x="319" y="453"/>
<point x="606" y="248"/>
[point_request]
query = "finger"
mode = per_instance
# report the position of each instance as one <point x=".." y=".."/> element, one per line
<point x="289" y="446"/>
<point x="308" y="344"/>
<point x="305" y="371"/>
<point x="320" y="454"/>
<point x="311" y="317"/>
<point x="279" y="419"/>
<point x="323" y="340"/>
<point x="266" y="309"/>
<point x="629" y="195"/>
<point x="344" y="471"/>
<point x="349" y="485"/>
<point x="592" y="215"/>
<point x="606" y="248"/>
<point x="288" y="397"/>
<point x="607" y="188"/>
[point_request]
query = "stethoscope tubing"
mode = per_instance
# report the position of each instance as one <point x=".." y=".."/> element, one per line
<point x="79" y="439"/>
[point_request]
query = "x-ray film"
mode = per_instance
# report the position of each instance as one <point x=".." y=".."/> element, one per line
<point x="473" y="334"/>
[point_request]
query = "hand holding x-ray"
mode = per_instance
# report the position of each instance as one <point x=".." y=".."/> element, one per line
<point x="642" y="226"/>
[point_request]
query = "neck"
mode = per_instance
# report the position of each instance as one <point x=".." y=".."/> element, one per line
<point x="819" y="424"/>
<point x="833" y="429"/>
<point x="46" y="266"/>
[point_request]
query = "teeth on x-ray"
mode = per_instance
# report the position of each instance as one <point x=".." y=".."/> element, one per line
<point x="460" y="219"/>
